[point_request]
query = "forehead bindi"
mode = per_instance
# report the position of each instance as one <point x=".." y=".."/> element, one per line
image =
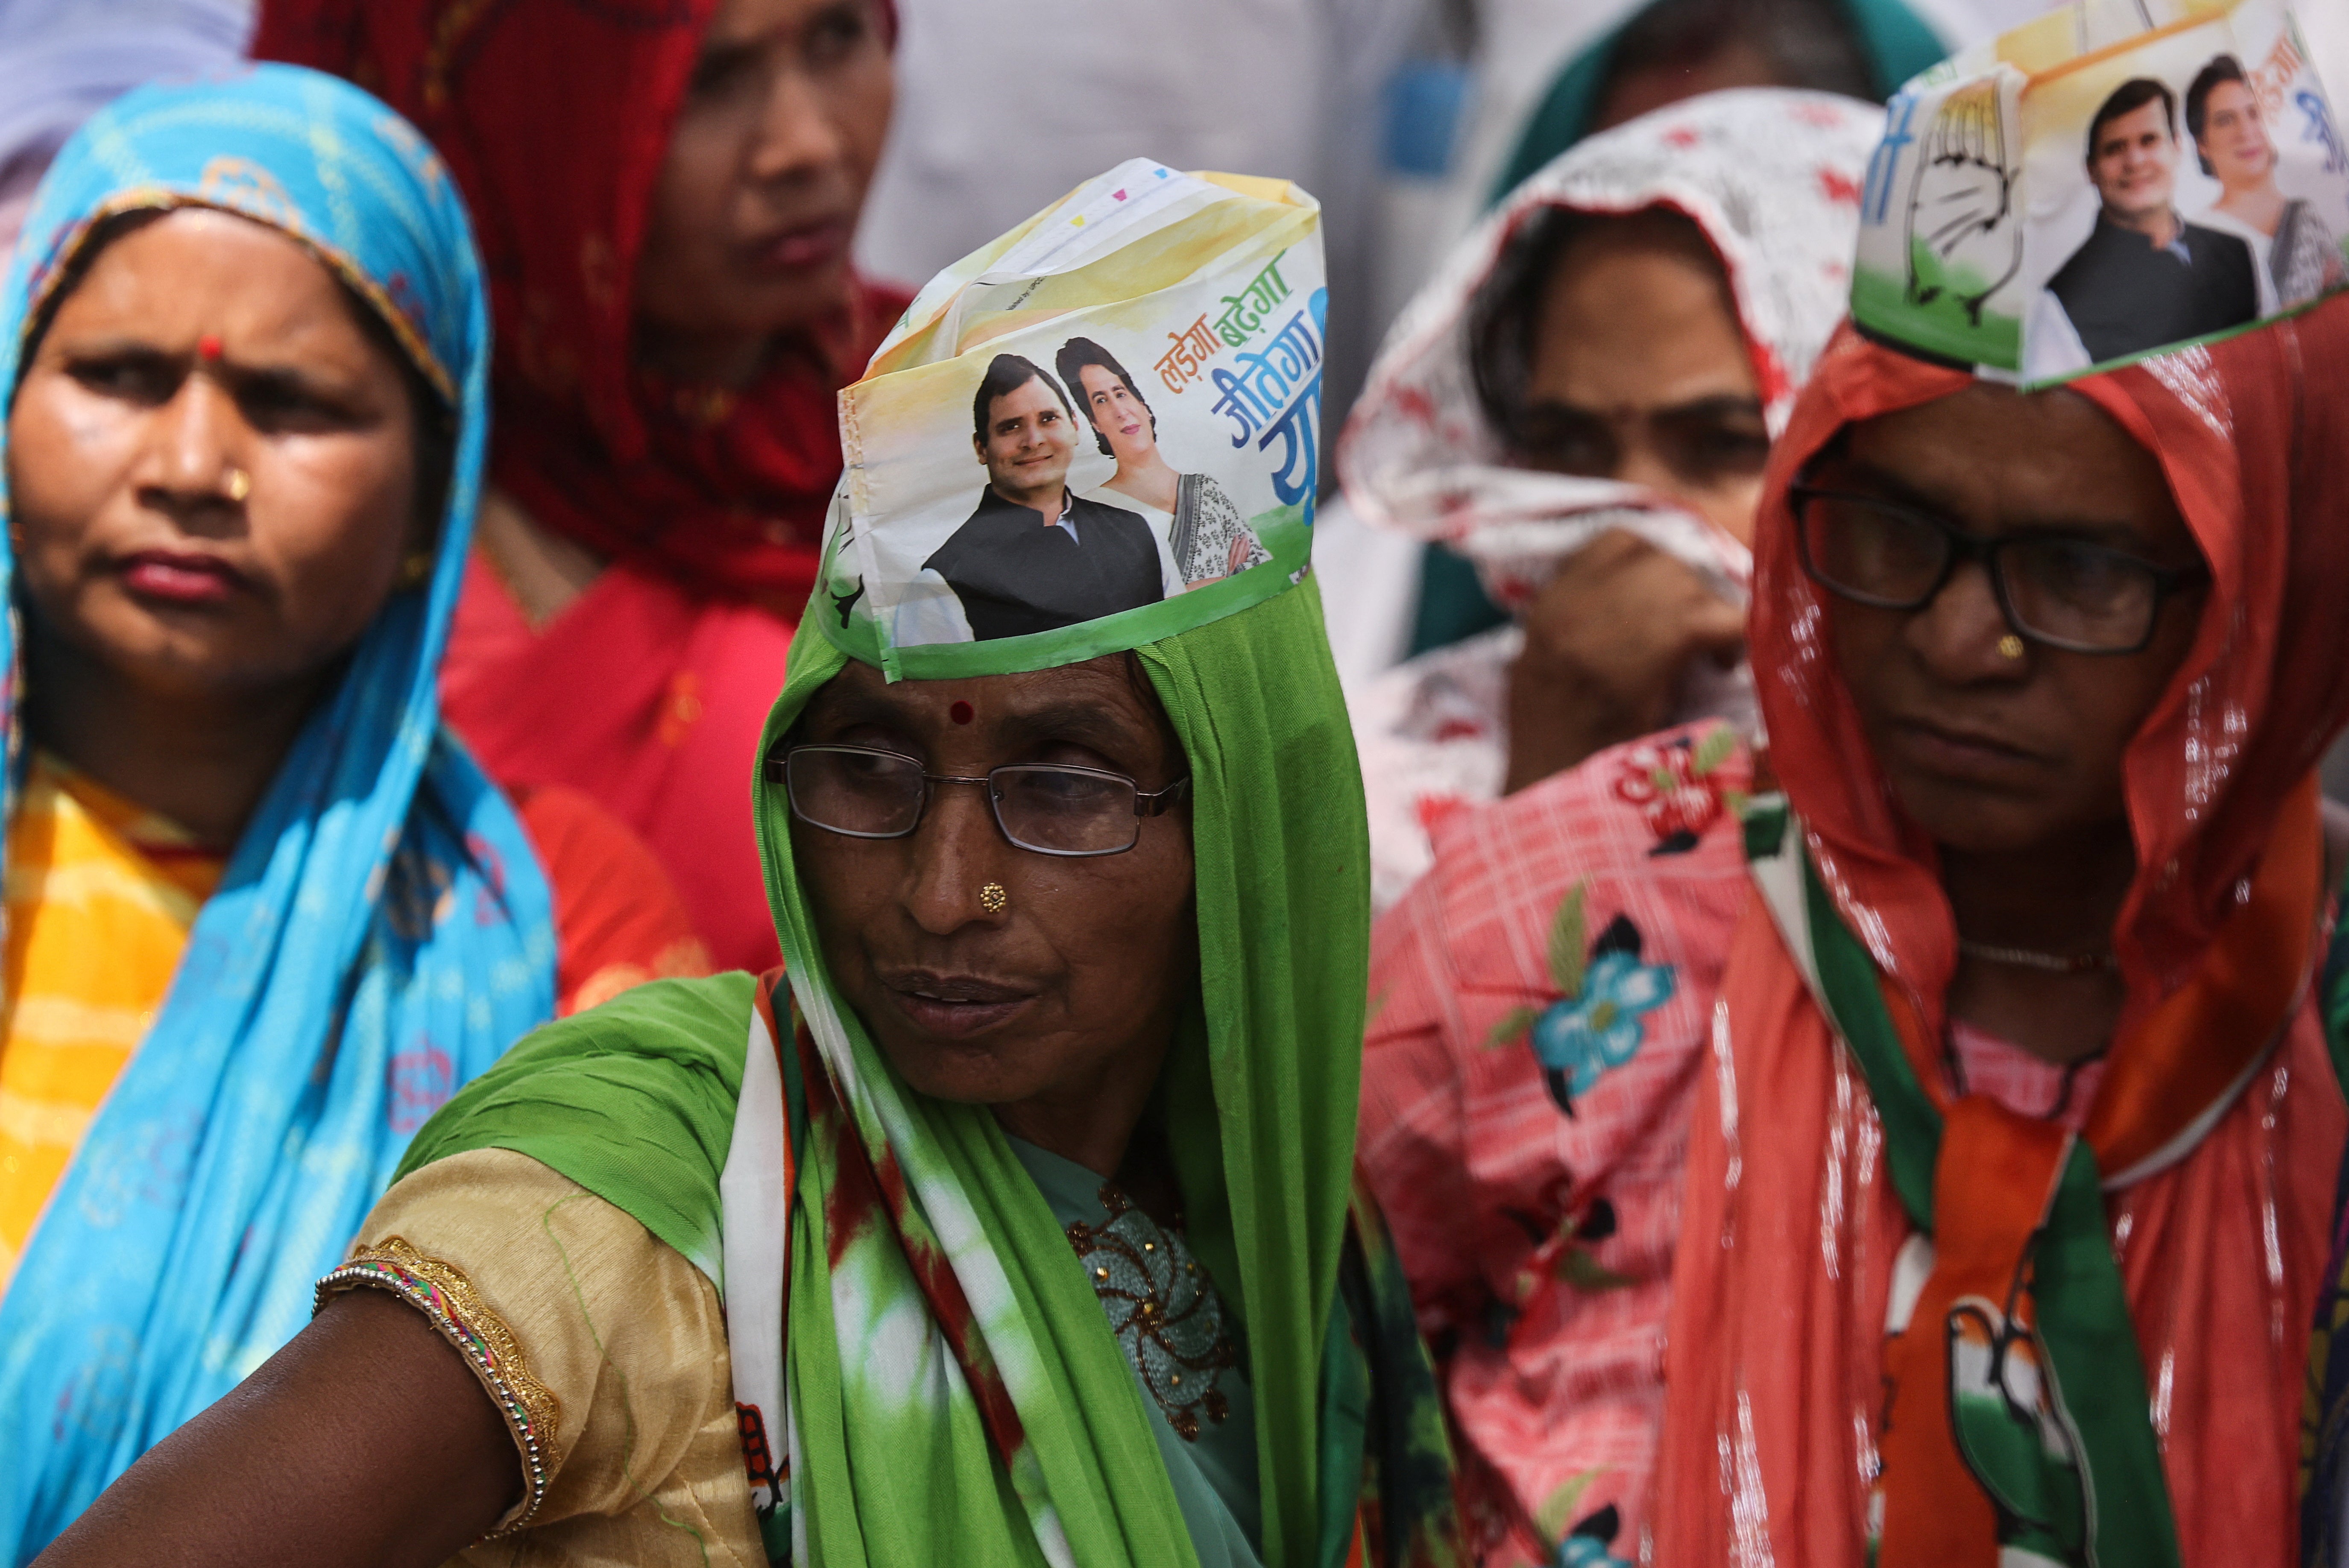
<point x="1092" y="703"/>
<point x="218" y="285"/>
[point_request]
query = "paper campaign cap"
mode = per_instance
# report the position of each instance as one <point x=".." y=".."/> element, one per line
<point x="2116" y="179"/>
<point x="1101" y="430"/>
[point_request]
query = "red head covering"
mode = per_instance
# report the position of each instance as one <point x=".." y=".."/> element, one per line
<point x="555" y="117"/>
<point x="2249" y="439"/>
<point x="2218" y="1124"/>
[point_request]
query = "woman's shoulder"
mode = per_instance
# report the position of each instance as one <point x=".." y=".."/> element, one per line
<point x="605" y="1349"/>
<point x="1110" y="497"/>
<point x="690" y="1024"/>
<point x="1207" y="491"/>
<point x="635" y="1100"/>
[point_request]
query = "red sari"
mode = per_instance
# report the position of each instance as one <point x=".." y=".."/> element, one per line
<point x="649" y="691"/>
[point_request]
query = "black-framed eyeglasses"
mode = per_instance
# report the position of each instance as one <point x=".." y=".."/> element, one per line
<point x="2056" y="589"/>
<point x="1052" y="809"/>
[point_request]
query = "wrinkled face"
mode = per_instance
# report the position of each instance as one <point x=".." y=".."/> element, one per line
<point x="1116" y="413"/>
<point x="1083" y="970"/>
<point x="1986" y="752"/>
<point x="2136" y="163"/>
<point x="1640" y="373"/>
<point x="2234" y="138"/>
<point x="1028" y="443"/>
<point x="767" y="168"/>
<point x="136" y="546"/>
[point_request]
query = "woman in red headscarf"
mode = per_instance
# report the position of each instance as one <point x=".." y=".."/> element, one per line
<point x="1940" y="1160"/>
<point x="1939" y="1315"/>
<point x="665" y="192"/>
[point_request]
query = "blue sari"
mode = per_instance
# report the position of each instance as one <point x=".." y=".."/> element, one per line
<point x="384" y="929"/>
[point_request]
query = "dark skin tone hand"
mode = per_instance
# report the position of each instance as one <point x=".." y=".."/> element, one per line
<point x="2014" y="765"/>
<point x="1608" y="644"/>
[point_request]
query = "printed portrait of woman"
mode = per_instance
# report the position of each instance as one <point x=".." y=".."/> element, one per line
<point x="1206" y="536"/>
<point x="2298" y="257"/>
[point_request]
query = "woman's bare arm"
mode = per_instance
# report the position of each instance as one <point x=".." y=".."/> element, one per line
<point x="368" y="1440"/>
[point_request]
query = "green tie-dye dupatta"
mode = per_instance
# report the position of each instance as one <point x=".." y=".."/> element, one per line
<point x="948" y="1387"/>
<point x="953" y="1389"/>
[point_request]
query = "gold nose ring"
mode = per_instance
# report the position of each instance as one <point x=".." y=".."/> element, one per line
<point x="240" y="484"/>
<point x="2009" y="646"/>
<point x="993" y="899"/>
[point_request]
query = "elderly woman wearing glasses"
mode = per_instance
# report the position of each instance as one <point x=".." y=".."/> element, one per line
<point x="1015" y="1224"/>
<point x="1916" y="1146"/>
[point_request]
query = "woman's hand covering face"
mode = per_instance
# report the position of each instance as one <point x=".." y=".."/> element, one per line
<point x="1057" y="1009"/>
<point x="1609" y="642"/>
<point x="1986" y="752"/>
<point x="1639" y="374"/>
<point x="198" y="347"/>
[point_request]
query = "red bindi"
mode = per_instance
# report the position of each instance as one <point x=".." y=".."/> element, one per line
<point x="208" y="346"/>
<point x="961" y="713"/>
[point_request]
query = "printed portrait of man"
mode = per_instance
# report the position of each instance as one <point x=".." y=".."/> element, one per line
<point x="1033" y="557"/>
<point x="2147" y="277"/>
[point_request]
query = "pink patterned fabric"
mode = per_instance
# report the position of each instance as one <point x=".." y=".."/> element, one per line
<point x="1538" y="1243"/>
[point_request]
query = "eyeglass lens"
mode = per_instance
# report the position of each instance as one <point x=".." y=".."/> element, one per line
<point x="2065" y="591"/>
<point x="880" y="795"/>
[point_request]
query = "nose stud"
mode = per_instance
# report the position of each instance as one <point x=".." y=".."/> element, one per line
<point x="239" y="484"/>
<point x="993" y="899"/>
<point x="2009" y="646"/>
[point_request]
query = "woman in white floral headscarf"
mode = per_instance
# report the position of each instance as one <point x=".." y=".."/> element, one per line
<point x="1581" y="403"/>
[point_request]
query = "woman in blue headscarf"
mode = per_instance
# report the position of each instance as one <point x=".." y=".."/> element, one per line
<point x="264" y="916"/>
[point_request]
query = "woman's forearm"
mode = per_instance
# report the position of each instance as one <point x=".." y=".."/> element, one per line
<point x="367" y="1440"/>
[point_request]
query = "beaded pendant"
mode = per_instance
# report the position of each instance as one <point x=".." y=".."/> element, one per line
<point x="1164" y="1310"/>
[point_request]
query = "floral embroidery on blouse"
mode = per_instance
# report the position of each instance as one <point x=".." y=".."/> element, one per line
<point x="1599" y="1020"/>
<point x="1676" y="786"/>
<point x="1163" y="1309"/>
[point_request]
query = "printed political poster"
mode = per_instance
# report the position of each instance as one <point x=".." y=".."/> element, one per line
<point x="2115" y="179"/>
<point x="1102" y="430"/>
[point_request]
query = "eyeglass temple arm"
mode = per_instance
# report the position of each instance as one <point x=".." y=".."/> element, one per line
<point x="1158" y="802"/>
